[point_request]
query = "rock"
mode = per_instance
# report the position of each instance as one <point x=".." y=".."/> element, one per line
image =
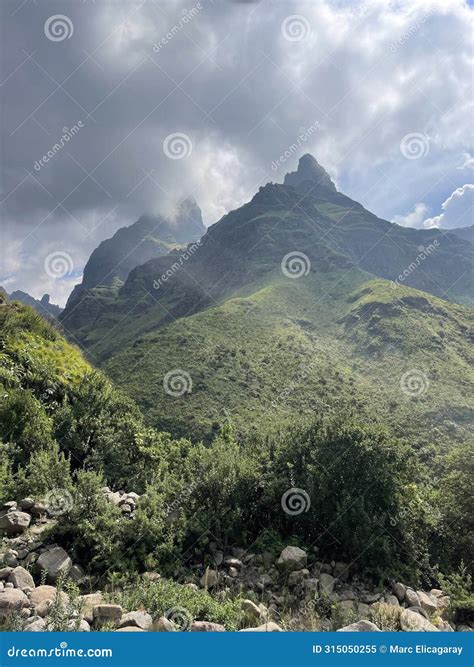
<point x="209" y="579"/>
<point x="5" y="572"/>
<point x="9" y="585"/>
<point x="360" y="626"/>
<point x="370" y="599"/>
<point x="152" y="576"/>
<point x="411" y="621"/>
<point x="234" y="562"/>
<point x="427" y="602"/>
<point x="399" y="590"/>
<point x="363" y="609"/>
<point x="251" y="608"/>
<point x="76" y="573"/>
<point x="266" y="627"/>
<point x="206" y="626"/>
<point x="55" y="562"/>
<point x="12" y="599"/>
<point x="326" y="583"/>
<point x="126" y="508"/>
<point x="238" y="552"/>
<point x="11" y="559"/>
<point x="130" y="628"/>
<point x="42" y="594"/>
<point x="107" y="613"/>
<point x="436" y="593"/>
<point x="297" y="576"/>
<point x="341" y="571"/>
<point x="133" y="496"/>
<point x="81" y="626"/>
<point x="419" y="610"/>
<point x="35" y="625"/>
<point x="38" y="509"/>
<point x="42" y="608"/>
<point x="463" y="628"/>
<point x="443" y="626"/>
<point x="393" y="600"/>
<point x="88" y="602"/>
<point x="218" y="557"/>
<point x="21" y="578"/>
<point x="26" y="504"/>
<point x="163" y="624"/>
<point x="139" y="619"/>
<point x="411" y="598"/>
<point x="311" y="586"/>
<point x="14" y="523"/>
<point x="347" y="605"/>
<point x="443" y="602"/>
<point x="292" y="558"/>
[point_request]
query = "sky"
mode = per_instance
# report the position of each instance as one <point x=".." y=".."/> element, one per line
<point x="136" y="104"/>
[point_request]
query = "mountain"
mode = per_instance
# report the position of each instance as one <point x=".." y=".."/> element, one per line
<point x="111" y="262"/>
<point x="466" y="233"/>
<point x="299" y="301"/>
<point x="43" y="305"/>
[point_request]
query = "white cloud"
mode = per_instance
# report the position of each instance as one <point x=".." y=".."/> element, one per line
<point x="468" y="161"/>
<point x="457" y="210"/>
<point x="413" y="219"/>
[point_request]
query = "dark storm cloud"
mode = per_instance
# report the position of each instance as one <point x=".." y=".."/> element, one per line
<point x="241" y="81"/>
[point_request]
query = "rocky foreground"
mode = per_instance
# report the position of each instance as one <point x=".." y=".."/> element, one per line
<point x="291" y="592"/>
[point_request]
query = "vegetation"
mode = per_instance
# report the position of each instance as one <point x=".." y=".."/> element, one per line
<point x="63" y="425"/>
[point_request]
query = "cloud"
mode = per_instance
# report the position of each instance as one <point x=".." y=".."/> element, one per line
<point x="413" y="219"/>
<point x="242" y="81"/>
<point x="457" y="210"/>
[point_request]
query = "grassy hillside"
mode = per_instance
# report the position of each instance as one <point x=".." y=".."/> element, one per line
<point x="284" y="349"/>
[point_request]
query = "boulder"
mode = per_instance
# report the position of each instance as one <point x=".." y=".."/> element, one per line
<point x="163" y="624"/>
<point x="249" y="607"/>
<point x="130" y="628"/>
<point x="107" y="613"/>
<point x="233" y="562"/>
<point x="399" y="590"/>
<point x="297" y="576"/>
<point x="326" y="583"/>
<point x="21" y="578"/>
<point x="43" y="608"/>
<point x="11" y="599"/>
<point x="209" y="579"/>
<point x="427" y="602"/>
<point x="14" y="523"/>
<point x="360" y="626"/>
<point x="55" y="562"/>
<point x="35" y="624"/>
<point x="82" y="626"/>
<point x="5" y="572"/>
<point x="206" y="626"/>
<point x="46" y="593"/>
<point x="26" y="504"/>
<point x="393" y="600"/>
<point x="292" y="558"/>
<point x="88" y="602"/>
<point x="411" y="621"/>
<point x="266" y="627"/>
<point x="411" y="598"/>
<point x="139" y="619"/>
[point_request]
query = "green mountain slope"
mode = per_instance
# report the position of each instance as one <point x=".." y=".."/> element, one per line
<point x="236" y="317"/>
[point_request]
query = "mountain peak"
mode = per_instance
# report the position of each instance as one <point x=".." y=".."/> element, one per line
<point x="309" y="171"/>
